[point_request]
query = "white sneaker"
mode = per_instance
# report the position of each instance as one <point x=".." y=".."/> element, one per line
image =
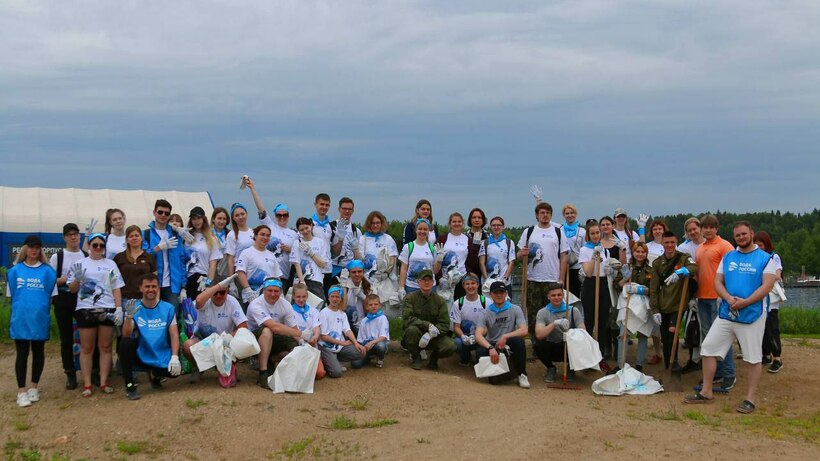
<point x="33" y="395"/>
<point x="22" y="400"/>
<point x="523" y="381"/>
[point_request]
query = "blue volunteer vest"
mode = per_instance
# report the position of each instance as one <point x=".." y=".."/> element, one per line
<point x="742" y="275"/>
<point x="30" y="289"/>
<point x="154" y="346"/>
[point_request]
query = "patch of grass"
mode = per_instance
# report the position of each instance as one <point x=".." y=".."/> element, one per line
<point x="380" y="423"/>
<point x="695" y="416"/>
<point x="780" y="427"/>
<point x="60" y="457"/>
<point x="804" y="342"/>
<point x="138" y="446"/>
<point x="342" y="422"/>
<point x="30" y="455"/>
<point x="359" y="403"/>
<point x="799" y="321"/>
<point x="396" y="329"/>
<point x="194" y="404"/>
<point x="423" y="440"/>
<point x="669" y="415"/>
<point x="22" y="426"/>
<point x="612" y="445"/>
<point x="65" y="406"/>
<point x="296" y="449"/>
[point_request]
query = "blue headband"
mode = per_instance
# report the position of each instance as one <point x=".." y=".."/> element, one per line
<point x="237" y="205"/>
<point x="469" y="277"/>
<point x="336" y="290"/>
<point x="422" y="220"/>
<point x="272" y="283"/>
<point x="97" y="235"/>
<point x="281" y="206"/>
<point x="355" y="264"/>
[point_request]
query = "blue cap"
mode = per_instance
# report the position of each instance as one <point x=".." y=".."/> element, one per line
<point x="355" y="264"/>
<point x="281" y="206"/>
<point x="336" y="289"/>
<point x="271" y="283"/>
<point x="97" y="235"/>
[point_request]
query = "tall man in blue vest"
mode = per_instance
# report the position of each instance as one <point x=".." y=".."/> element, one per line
<point x="163" y="242"/>
<point x="744" y="278"/>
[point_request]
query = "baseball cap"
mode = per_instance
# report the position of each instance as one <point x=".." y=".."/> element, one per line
<point x="69" y="228"/>
<point x="33" y="241"/>
<point x="620" y="211"/>
<point x="196" y="211"/>
<point x="425" y="273"/>
<point x="497" y="286"/>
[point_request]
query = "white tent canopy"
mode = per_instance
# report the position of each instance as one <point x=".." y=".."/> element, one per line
<point x="37" y="209"/>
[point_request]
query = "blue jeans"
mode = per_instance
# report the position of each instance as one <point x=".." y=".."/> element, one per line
<point x="707" y="313"/>
<point x="642" y="344"/>
<point x="464" y="352"/>
<point x="378" y="350"/>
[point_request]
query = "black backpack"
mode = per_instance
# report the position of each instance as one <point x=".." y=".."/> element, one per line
<point x="528" y="233"/>
<point x="60" y="257"/>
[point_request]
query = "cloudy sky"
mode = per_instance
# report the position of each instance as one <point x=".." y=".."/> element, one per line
<point x="657" y="106"/>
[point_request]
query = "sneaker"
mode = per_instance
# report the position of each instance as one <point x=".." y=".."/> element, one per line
<point x="107" y="389"/>
<point x="612" y="371"/>
<point x="728" y="383"/>
<point x="654" y="360"/>
<point x="262" y="380"/>
<point x="195" y="376"/>
<point x="715" y="380"/>
<point x="416" y="364"/>
<point x="86" y="391"/>
<point x="676" y="368"/>
<point x="33" y="394"/>
<point x="604" y="366"/>
<point x="690" y="367"/>
<point x="70" y="381"/>
<point x="776" y="366"/>
<point x="552" y="372"/>
<point x="254" y="363"/>
<point x="22" y="400"/>
<point x="131" y="392"/>
<point x="379" y="363"/>
<point x="156" y="382"/>
<point x="767" y="359"/>
<point x="523" y="381"/>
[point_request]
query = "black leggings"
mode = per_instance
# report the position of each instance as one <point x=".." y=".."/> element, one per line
<point x="64" y="304"/>
<point x="38" y="360"/>
<point x="771" y="336"/>
<point x="129" y="360"/>
<point x="604" y="305"/>
<point x="667" y="337"/>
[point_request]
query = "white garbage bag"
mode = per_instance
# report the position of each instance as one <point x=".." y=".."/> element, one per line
<point x="627" y="381"/>
<point x="296" y="372"/>
<point x="583" y="350"/>
<point x="244" y="344"/>
<point x="640" y="320"/>
<point x="203" y="352"/>
<point x="610" y="279"/>
<point x="778" y="294"/>
<point x="223" y="356"/>
<point x="312" y="301"/>
<point x="486" y="368"/>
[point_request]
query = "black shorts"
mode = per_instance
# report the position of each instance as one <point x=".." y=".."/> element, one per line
<point x="93" y="318"/>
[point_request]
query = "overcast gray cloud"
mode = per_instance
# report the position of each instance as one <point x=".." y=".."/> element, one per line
<point x="657" y="106"/>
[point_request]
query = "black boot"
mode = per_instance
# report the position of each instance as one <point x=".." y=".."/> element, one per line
<point x="432" y="363"/>
<point x="71" y="380"/>
<point x="416" y="362"/>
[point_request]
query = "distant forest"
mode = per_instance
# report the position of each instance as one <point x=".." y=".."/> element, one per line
<point x="796" y="237"/>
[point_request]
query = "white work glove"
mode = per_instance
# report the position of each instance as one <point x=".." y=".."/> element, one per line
<point x="227" y="282"/>
<point x="117" y="316"/>
<point x="306" y="249"/>
<point x="676" y="276"/>
<point x="425" y="340"/>
<point x="626" y="271"/>
<point x="472" y="340"/>
<point x="561" y="324"/>
<point x="401" y="294"/>
<point x="620" y="244"/>
<point x="79" y="272"/>
<point x="536" y="192"/>
<point x="131" y="308"/>
<point x="433" y="331"/>
<point x="581" y="274"/>
<point x="168" y="244"/>
<point x="248" y="294"/>
<point x="359" y="294"/>
<point x="174" y="367"/>
<point x="379" y="276"/>
<point x="185" y="233"/>
<point x="610" y="271"/>
<point x="354" y="244"/>
<point x="89" y="229"/>
<point x="693" y="305"/>
<point x="204" y="283"/>
<point x="635" y="289"/>
<point x="465" y="340"/>
<point x="341" y="228"/>
<point x="597" y="250"/>
<point x="439" y="251"/>
<point x="307" y="334"/>
<point x="657" y="318"/>
<point x="642" y="220"/>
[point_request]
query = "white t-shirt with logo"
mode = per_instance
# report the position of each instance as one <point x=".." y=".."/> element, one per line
<point x="689" y="247"/>
<point x="324" y="233"/>
<point x="586" y="256"/>
<point x="623" y="236"/>
<point x="544" y="263"/>
<point x="200" y="255"/>
<point x="311" y="270"/>
<point x="69" y="258"/>
<point x="499" y="256"/>
<point x="114" y="245"/>
<point x="102" y="277"/>
<point x="280" y="236"/>
<point x="655" y="249"/>
<point x="224" y="318"/>
<point x="575" y="243"/>
<point x="372" y="329"/>
<point x="471" y="311"/>
<point x="308" y="321"/>
<point x="234" y="245"/>
<point x="333" y="324"/>
<point x="455" y="249"/>
<point x="259" y="312"/>
<point x="257" y="266"/>
<point x="372" y="248"/>
<point x="421" y="258"/>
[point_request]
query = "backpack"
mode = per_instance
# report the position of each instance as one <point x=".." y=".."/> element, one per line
<point x="481" y="298"/>
<point x="412" y="245"/>
<point x="528" y="233"/>
<point x="333" y="225"/>
<point x="60" y="256"/>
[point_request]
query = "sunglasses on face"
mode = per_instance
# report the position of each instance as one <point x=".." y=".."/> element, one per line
<point x="97" y="245"/>
<point x="282" y="216"/>
<point x="221" y="293"/>
<point x="163" y="212"/>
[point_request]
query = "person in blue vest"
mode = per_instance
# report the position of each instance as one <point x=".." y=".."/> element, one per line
<point x="156" y="348"/>
<point x="744" y="278"/>
<point x="162" y="241"/>
<point x="30" y="283"/>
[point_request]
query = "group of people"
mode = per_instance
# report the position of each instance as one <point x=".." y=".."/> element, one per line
<point x="326" y="283"/>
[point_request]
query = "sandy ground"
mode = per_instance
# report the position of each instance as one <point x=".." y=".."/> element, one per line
<point x="446" y="414"/>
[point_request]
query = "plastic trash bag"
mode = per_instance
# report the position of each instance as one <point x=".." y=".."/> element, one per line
<point x="640" y="321"/>
<point x="486" y="369"/>
<point x="778" y="294"/>
<point x="296" y="372"/>
<point x="223" y="357"/>
<point x="203" y="352"/>
<point x="244" y="344"/>
<point x="312" y="301"/>
<point x="227" y="381"/>
<point x="627" y="381"/>
<point x="583" y="350"/>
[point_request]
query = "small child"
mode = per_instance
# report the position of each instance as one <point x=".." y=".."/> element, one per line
<point x="551" y="322"/>
<point x="337" y="341"/>
<point x="374" y="333"/>
<point x="307" y="320"/>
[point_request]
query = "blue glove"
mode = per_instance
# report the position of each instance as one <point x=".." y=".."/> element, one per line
<point x="683" y="272"/>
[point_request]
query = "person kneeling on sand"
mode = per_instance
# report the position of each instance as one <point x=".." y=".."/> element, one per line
<point x="426" y="323"/>
<point x="338" y="341"/>
<point x="272" y="321"/>
<point x="374" y="333"/>
<point x="156" y="347"/>
<point x="502" y="330"/>
<point x="551" y="323"/>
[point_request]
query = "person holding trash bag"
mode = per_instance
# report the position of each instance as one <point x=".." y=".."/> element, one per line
<point x="426" y="323"/>
<point x="465" y="314"/>
<point x="373" y="244"/>
<point x="502" y="330"/>
<point x="217" y="312"/>
<point x="500" y="259"/>
<point x="156" y="346"/>
<point x="551" y="323"/>
<point x="273" y="322"/>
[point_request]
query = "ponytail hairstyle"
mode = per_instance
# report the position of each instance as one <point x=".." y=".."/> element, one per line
<point x="108" y="214"/>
